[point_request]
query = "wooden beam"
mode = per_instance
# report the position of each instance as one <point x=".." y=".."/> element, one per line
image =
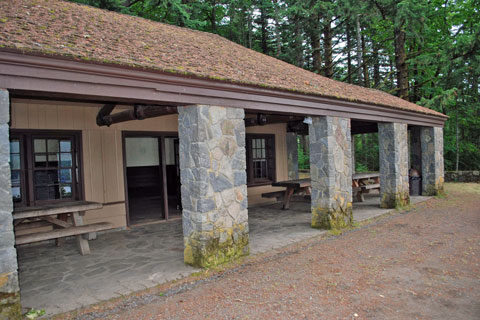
<point x="263" y="119"/>
<point x="139" y="112"/>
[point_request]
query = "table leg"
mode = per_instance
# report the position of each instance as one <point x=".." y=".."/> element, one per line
<point x="286" y="198"/>
<point x="63" y="217"/>
<point x="82" y="244"/>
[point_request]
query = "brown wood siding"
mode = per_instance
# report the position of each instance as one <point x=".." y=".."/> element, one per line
<point x="102" y="149"/>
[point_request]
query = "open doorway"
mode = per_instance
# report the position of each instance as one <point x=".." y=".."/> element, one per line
<point x="152" y="177"/>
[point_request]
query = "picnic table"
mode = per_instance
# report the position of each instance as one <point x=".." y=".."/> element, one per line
<point x="361" y="183"/>
<point x="364" y="182"/>
<point x="57" y="215"/>
<point x="293" y="186"/>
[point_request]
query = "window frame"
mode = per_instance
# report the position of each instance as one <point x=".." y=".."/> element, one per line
<point x="27" y="136"/>
<point x="270" y="157"/>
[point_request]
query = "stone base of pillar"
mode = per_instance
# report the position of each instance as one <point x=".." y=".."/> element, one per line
<point x="327" y="218"/>
<point x="10" y="307"/>
<point x="434" y="189"/>
<point x="394" y="200"/>
<point x="207" y="249"/>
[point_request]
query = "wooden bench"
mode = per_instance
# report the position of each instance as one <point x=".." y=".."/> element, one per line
<point x="361" y="190"/>
<point x="275" y="194"/>
<point x="56" y="215"/>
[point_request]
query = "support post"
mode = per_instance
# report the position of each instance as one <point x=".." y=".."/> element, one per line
<point x="331" y="172"/>
<point x="432" y="160"/>
<point x="213" y="178"/>
<point x="292" y="155"/>
<point x="10" y="307"/>
<point x="393" y="152"/>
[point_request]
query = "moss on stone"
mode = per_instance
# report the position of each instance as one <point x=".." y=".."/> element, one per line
<point x="396" y="200"/>
<point x="10" y="307"/>
<point x="209" y="253"/>
<point x="327" y="218"/>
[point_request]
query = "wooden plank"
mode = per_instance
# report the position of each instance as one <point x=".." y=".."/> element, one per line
<point x="82" y="243"/>
<point x="274" y="194"/>
<point x="57" y="222"/>
<point x="58" y="208"/>
<point x="59" y="233"/>
<point x="300" y="183"/>
<point x="30" y="225"/>
<point x="365" y="175"/>
<point x="371" y="186"/>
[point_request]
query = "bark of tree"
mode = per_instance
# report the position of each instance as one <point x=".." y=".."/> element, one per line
<point x="349" y="55"/>
<point x="359" y="52"/>
<point x="278" y="37"/>
<point x="327" y="47"/>
<point x="263" y="24"/>
<point x="401" y="62"/>
<point x="366" y="78"/>
<point x="376" y="64"/>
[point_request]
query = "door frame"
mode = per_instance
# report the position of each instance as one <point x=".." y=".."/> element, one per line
<point x="148" y="134"/>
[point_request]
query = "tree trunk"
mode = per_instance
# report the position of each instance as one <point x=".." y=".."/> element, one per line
<point x="277" y="31"/>
<point x="263" y="24"/>
<point x="349" y="55"/>
<point x="366" y="78"/>
<point x="359" y="52"/>
<point x="328" y="51"/>
<point x="298" y="42"/>
<point x="376" y="64"/>
<point x="401" y="63"/>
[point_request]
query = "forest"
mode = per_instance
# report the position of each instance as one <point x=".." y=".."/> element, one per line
<point x="424" y="51"/>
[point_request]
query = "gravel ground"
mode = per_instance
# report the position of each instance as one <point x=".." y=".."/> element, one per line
<point x="423" y="263"/>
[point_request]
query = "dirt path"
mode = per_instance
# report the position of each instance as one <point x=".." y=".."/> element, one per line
<point x="422" y="264"/>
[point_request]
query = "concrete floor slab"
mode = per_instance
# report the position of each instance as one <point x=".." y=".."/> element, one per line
<point x="59" y="279"/>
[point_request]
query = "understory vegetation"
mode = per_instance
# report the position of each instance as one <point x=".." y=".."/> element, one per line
<point x="427" y="52"/>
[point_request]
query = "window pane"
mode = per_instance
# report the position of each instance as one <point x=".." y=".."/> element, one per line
<point x="66" y="191"/>
<point x="15" y="178"/>
<point x="53" y="160"/>
<point x="16" y="194"/>
<point x="263" y="154"/>
<point x="65" y="146"/>
<point x="65" y="175"/>
<point x="39" y="145"/>
<point x="47" y="193"/>
<point x="65" y="160"/>
<point x="263" y="143"/>
<point x="52" y="145"/>
<point x="15" y="161"/>
<point x="46" y="177"/>
<point x="40" y="161"/>
<point x="14" y="146"/>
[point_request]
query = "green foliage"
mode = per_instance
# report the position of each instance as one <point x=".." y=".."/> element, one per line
<point x="354" y="41"/>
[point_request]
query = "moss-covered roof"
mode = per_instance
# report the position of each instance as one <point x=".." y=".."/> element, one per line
<point x="84" y="33"/>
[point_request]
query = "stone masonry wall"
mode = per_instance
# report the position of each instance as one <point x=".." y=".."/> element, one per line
<point x="9" y="289"/>
<point x="393" y="153"/>
<point x="462" y="176"/>
<point x="432" y="160"/>
<point x="213" y="178"/>
<point x="292" y="155"/>
<point x="331" y="172"/>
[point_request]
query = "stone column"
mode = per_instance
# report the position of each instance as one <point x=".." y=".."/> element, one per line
<point x="415" y="149"/>
<point x="9" y="289"/>
<point x="393" y="152"/>
<point x="213" y="178"/>
<point x="331" y="172"/>
<point x="432" y="160"/>
<point x="292" y="155"/>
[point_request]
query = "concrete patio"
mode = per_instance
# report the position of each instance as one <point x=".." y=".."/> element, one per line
<point x="59" y="279"/>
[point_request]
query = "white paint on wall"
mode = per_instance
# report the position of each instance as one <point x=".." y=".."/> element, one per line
<point x="142" y="152"/>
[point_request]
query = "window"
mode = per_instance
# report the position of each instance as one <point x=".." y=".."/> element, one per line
<point x="45" y="167"/>
<point x="260" y="159"/>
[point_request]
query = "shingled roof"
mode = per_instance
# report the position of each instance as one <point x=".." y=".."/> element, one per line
<point x="84" y="33"/>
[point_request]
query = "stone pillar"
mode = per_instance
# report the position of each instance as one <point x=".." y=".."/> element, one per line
<point x="9" y="289"/>
<point x="331" y="172"/>
<point x="415" y="149"/>
<point x="292" y="155"/>
<point x="213" y="178"/>
<point x="393" y="152"/>
<point x="432" y="160"/>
